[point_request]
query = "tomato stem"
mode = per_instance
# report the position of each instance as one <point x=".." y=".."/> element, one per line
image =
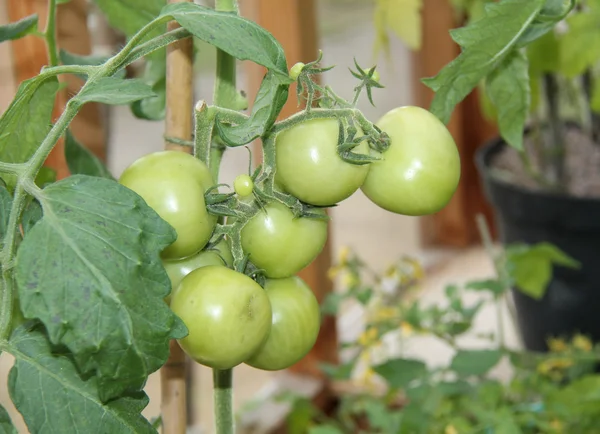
<point x="50" y="34"/>
<point x="223" y="399"/>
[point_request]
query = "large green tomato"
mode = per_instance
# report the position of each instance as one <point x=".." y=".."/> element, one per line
<point x="228" y="316"/>
<point x="179" y="268"/>
<point x="295" y="326"/>
<point x="309" y="167"/>
<point x="281" y="244"/>
<point x="420" y="171"/>
<point x="173" y="184"/>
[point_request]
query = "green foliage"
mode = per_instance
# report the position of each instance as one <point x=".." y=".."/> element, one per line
<point x="400" y="17"/>
<point x="475" y="362"/>
<point x="81" y="161"/>
<point x="530" y="267"/>
<point x="36" y="368"/>
<point x="399" y="373"/>
<point x="114" y="91"/>
<point x="18" y="29"/>
<point x="6" y="426"/>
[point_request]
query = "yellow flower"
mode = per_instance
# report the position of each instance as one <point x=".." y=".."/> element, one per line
<point x="350" y="279"/>
<point x="582" y="343"/>
<point x="343" y="255"/>
<point x="549" y="366"/>
<point x="385" y="313"/>
<point x="368" y="337"/>
<point x="450" y="430"/>
<point x="418" y="272"/>
<point x="406" y="328"/>
<point x="557" y="345"/>
<point x="366" y="377"/>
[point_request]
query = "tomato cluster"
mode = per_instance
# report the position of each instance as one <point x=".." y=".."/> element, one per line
<point x="254" y="309"/>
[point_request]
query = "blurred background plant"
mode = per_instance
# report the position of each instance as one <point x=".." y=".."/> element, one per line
<point x="486" y="388"/>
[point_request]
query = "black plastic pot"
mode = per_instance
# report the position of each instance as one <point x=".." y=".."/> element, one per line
<point x="572" y="301"/>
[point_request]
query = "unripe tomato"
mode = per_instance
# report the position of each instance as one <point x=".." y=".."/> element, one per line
<point x="177" y="269"/>
<point x="228" y="316"/>
<point x="173" y="184"/>
<point x="375" y="76"/>
<point x="309" y="167"/>
<point x="296" y="70"/>
<point x="420" y="171"/>
<point x="295" y="325"/>
<point x="281" y="244"/>
<point x="243" y="185"/>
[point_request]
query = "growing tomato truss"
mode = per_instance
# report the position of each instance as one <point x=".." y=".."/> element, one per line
<point x="99" y="275"/>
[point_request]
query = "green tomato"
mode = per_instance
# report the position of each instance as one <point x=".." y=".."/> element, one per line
<point x="420" y="171"/>
<point x="173" y="184"/>
<point x="228" y="316"/>
<point x="295" y="325"/>
<point x="281" y="244"/>
<point x="296" y="70"/>
<point x="243" y="185"/>
<point x="179" y="268"/>
<point x="309" y="167"/>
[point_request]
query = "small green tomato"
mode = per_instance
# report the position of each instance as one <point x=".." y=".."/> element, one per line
<point x="243" y="185"/>
<point x="296" y="70"/>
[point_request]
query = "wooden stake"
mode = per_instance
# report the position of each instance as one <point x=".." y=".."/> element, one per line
<point x="179" y="124"/>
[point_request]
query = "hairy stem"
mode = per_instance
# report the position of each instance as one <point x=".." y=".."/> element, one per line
<point x="50" y="34"/>
<point x="223" y="399"/>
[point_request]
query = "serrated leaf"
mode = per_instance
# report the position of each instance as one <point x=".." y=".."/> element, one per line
<point x="232" y="33"/>
<point x="485" y="44"/>
<point x="402" y="17"/>
<point x="32" y="105"/>
<point x="399" y="373"/>
<point x="100" y="293"/>
<point x="18" y="29"/>
<point x="81" y="161"/>
<point x="155" y="76"/>
<point x="68" y="58"/>
<point x="508" y="90"/>
<point x="475" y="362"/>
<point x="580" y="46"/>
<point x="6" y="425"/>
<point x="48" y="391"/>
<point x="269" y="101"/>
<point x="530" y="267"/>
<point x="492" y="285"/>
<point x="114" y="91"/>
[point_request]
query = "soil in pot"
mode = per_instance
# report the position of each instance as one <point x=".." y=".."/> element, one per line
<point x="526" y="213"/>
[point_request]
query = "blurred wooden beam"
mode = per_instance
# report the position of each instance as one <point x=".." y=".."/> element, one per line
<point x="454" y="225"/>
<point x="293" y="23"/>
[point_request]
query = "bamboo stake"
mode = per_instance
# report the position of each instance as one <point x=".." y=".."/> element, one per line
<point x="178" y="118"/>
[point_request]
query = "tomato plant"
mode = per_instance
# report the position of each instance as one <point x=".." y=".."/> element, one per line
<point x="88" y="261"/>
<point x="173" y="184"/>
<point x="295" y="324"/>
<point x="420" y="171"/>
<point x="280" y="243"/>
<point x="228" y="316"/>
<point x="309" y="166"/>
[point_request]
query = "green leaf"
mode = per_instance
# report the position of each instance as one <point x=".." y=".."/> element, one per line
<point x="155" y="76"/>
<point x="114" y="91"/>
<point x="300" y="417"/>
<point x="18" y="29"/>
<point x="338" y="372"/>
<point x="32" y="105"/>
<point x="530" y="267"/>
<point x="508" y="89"/>
<point x="324" y="429"/>
<point x="331" y="304"/>
<point x="46" y="175"/>
<point x="400" y="372"/>
<point x="402" y="17"/>
<point x="6" y="426"/>
<point x="48" y="391"/>
<point x="129" y="16"/>
<point x="269" y="101"/>
<point x="234" y="34"/>
<point x="381" y="419"/>
<point x="475" y="362"/>
<point x="492" y="285"/>
<point x="101" y="291"/>
<point x="81" y="161"/>
<point x="68" y="58"/>
<point x="580" y="46"/>
<point x="31" y="215"/>
<point x="543" y="54"/>
<point x="485" y="44"/>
